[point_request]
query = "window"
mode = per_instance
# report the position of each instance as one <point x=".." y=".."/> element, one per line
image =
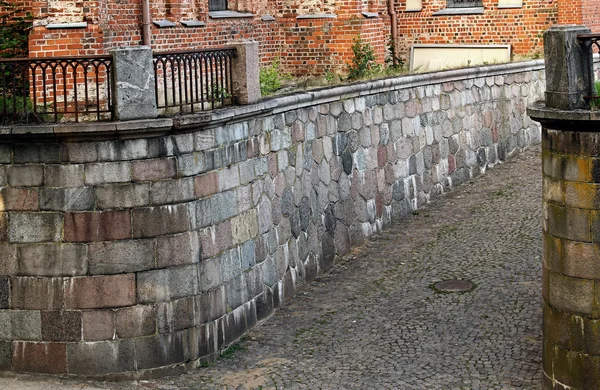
<point x="463" y="3"/>
<point x="217" y="5"/>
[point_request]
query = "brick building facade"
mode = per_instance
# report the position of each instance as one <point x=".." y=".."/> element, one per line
<point x="307" y="37"/>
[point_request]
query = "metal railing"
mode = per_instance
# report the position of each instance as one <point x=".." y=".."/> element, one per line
<point x="589" y="42"/>
<point x="55" y="89"/>
<point x="195" y="80"/>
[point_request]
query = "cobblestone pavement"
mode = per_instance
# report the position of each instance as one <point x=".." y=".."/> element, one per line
<point x="374" y="322"/>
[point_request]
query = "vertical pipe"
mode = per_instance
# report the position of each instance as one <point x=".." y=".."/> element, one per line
<point x="394" y="25"/>
<point x="146" y="33"/>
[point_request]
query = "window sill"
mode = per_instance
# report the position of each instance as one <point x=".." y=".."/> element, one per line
<point x="370" y="15"/>
<point x="459" y="11"/>
<point x="317" y="16"/>
<point x="509" y="6"/>
<point x="163" y="23"/>
<point x="229" y="15"/>
<point x="192" y="23"/>
<point x="413" y="9"/>
<point x="53" y="26"/>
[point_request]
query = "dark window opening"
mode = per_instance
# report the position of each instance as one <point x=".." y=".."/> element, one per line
<point x="463" y="3"/>
<point x="217" y="5"/>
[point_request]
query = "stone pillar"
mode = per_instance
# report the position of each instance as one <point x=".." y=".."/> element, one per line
<point x="246" y="83"/>
<point x="134" y="95"/>
<point x="567" y="67"/>
<point x="571" y="219"/>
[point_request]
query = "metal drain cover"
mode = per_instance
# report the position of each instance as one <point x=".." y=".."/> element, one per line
<point x="454" y="286"/>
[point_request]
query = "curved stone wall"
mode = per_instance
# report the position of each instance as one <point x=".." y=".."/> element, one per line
<point x="141" y="248"/>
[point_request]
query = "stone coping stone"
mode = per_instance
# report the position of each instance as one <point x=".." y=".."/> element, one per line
<point x="154" y="127"/>
<point x="267" y="18"/>
<point x="557" y="119"/>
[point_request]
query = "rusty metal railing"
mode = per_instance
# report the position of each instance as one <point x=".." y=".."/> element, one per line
<point x="588" y="42"/>
<point x="195" y="80"/>
<point x="55" y="89"/>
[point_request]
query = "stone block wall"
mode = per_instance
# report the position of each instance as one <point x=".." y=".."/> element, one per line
<point x="144" y="248"/>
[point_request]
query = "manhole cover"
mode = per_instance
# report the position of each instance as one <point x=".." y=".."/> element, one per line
<point x="454" y="286"/>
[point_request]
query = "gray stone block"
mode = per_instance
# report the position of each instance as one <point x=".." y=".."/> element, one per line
<point x="66" y="175"/>
<point x="230" y="264"/>
<point x="133" y="74"/>
<point x="115" y="257"/>
<point x="102" y="357"/>
<point x="120" y="196"/>
<point x="25" y="175"/>
<point x="167" y="284"/>
<point x="53" y="259"/>
<point x="209" y="273"/>
<point x="112" y="172"/>
<point x="178" y="249"/>
<point x="36" y="153"/>
<point x="67" y="199"/>
<point x="161" y="350"/>
<point x="35" y="227"/>
<point x="172" y="191"/>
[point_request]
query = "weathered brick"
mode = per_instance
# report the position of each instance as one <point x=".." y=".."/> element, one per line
<point x="19" y="199"/>
<point x="121" y="196"/>
<point x="60" y="325"/>
<point x="44" y="357"/>
<point x="121" y="256"/>
<point x="172" y="191"/>
<point x="36" y="153"/>
<point x="154" y="169"/>
<point x="80" y="152"/>
<point x="3" y="226"/>
<point x="571" y="223"/>
<point x="552" y="255"/>
<point x="582" y="195"/>
<point x="53" y="260"/>
<point x="96" y="292"/>
<point x="229" y="178"/>
<point x="67" y="199"/>
<point x="167" y="284"/>
<point x="216" y="209"/>
<point x="176" y="315"/>
<point x="244" y="227"/>
<point x="210" y="305"/>
<point x="566" y="167"/>
<point x="136" y="321"/>
<point x="209" y="274"/>
<point x="97" y="226"/>
<point x="98" y="325"/>
<point x="8" y="259"/>
<point x="36" y="293"/>
<point x="215" y="239"/>
<point x="161" y="350"/>
<point x="206" y="185"/>
<point x="101" y="357"/>
<point x="158" y="221"/>
<point x="67" y="175"/>
<point x="178" y="249"/>
<point x="102" y="173"/>
<point x="25" y="175"/>
<point x="572" y="295"/>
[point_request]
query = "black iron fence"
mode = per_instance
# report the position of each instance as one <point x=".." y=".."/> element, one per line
<point x="591" y="44"/>
<point x="191" y="81"/>
<point x="78" y="89"/>
<point x="55" y="89"/>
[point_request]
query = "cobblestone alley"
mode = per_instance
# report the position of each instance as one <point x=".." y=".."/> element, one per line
<point x="374" y="321"/>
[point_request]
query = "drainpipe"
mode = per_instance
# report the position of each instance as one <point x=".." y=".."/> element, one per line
<point x="146" y="32"/>
<point x="394" y="32"/>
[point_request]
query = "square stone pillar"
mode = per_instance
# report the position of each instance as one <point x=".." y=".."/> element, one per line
<point x="134" y="95"/>
<point x="246" y="83"/>
<point x="568" y="67"/>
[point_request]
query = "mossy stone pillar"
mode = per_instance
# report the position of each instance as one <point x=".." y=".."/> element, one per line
<point x="571" y="217"/>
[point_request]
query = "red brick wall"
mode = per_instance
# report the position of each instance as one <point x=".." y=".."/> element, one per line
<point x="520" y="27"/>
<point x="303" y="46"/>
<point x="591" y="14"/>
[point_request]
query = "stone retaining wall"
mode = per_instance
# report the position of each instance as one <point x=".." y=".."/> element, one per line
<point x="141" y="248"/>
